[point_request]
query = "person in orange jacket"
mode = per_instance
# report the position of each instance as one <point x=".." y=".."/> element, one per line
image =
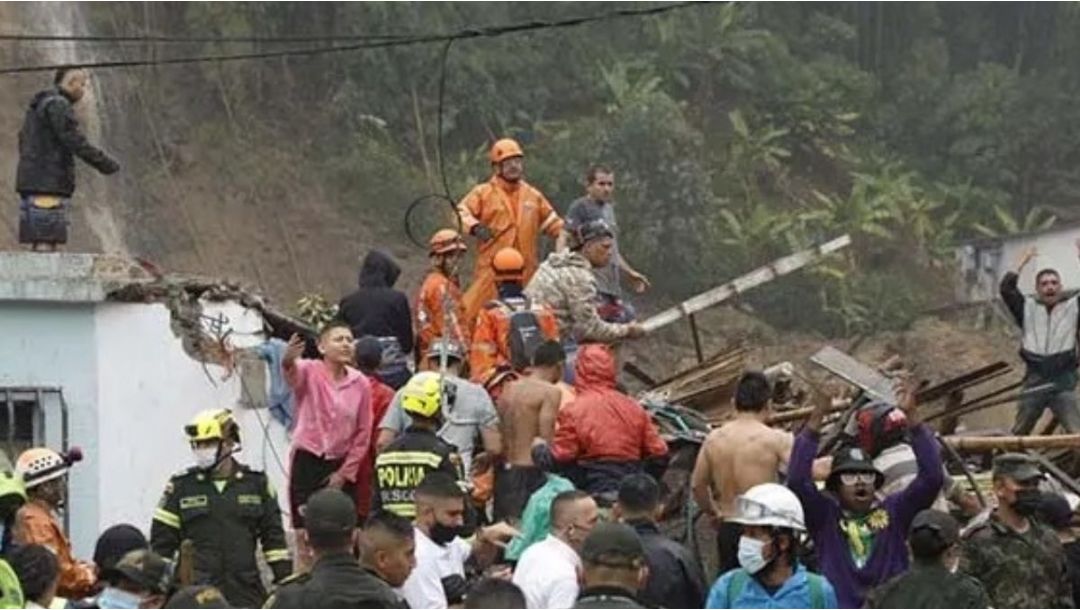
<point x="510" y="327"/>
<point x="505" y="212"/>
<point x="439" y="301"/>
<point x="44" y="472"/>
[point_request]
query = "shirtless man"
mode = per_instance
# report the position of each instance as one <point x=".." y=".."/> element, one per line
<point x="739" y="455"/>
<point x="528" y="406"/>
<point x="548" y="364"/>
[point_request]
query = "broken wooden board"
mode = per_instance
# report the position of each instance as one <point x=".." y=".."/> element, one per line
<point x="757" y="277"/>
<point x="963" y="382"/>
<point x="705" y="386"/>
<point x="861" y="375"/>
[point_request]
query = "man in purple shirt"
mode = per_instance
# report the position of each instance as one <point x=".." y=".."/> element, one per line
<point x="860" y="541"/>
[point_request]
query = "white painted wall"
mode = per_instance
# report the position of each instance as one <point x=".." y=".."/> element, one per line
<point x="148" y="389"/>
<point x="53" y="344"/>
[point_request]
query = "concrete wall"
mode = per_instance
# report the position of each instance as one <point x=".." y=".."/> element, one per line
<point x="130" y="388"/>
<point x="148" y="389"/>
<point x="53" y="344"/>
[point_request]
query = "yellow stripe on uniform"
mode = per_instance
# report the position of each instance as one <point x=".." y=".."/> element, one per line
<point x="170" y="519"/>
<point x="401" y="509"/>
<point x="424" y="458"/>
<point x="273" y="555"/>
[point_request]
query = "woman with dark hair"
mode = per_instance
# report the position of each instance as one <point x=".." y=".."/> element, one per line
<point x="38" y="572"/>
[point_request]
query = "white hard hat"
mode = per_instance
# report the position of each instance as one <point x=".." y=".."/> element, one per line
<point x="770" y="504"/>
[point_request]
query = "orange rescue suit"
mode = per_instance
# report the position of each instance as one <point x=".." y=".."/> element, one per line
<point x="436" y="293"/>
<point x="35" y="524"/>
<point x="516" y="213"/>
<point x="491" y="339"/>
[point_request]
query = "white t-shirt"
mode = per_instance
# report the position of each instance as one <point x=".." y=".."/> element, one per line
<point x="547" y="574"/>
<point x="423" y="588"/>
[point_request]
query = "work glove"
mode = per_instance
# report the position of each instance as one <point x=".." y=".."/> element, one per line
<point x="482" y="232"/>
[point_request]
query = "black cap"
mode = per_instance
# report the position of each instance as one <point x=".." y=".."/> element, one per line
<point x="946" y="528"/>
<point x="853" y="459"/>
<point x="198" y="596"/>
<point x="329" y="511"/>
<point x="146" y="569"/>
<point x="614" y="545"/>
<point x="116" y="542"/>
<point x="368" y="353"/>
<point x="1019" y="467"/>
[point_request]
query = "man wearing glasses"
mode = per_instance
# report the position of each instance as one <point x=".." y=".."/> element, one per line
<point x="860" y="540"/>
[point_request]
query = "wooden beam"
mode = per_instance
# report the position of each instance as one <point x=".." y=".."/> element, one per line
<point x="757" y="277"/>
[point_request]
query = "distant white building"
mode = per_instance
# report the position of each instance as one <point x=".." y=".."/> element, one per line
<point x="984" y="262"/>
<point x="100" y="353"/>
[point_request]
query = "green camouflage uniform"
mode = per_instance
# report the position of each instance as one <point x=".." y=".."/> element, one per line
<point x="929" y="586"/>
<point x="565" y="283"/>
<point x="1018" y="570"/>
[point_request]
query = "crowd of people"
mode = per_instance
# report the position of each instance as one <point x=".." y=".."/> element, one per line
<point x="476" y="449"/>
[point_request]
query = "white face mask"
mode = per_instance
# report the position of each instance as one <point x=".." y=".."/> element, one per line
<point x="750" y="555"/>
<point x="112" y="597"/>
<point x="205" y="457"/>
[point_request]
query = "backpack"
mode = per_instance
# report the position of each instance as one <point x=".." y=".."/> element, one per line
<point x="524" y="335"/>
<point x="741" y="577"/>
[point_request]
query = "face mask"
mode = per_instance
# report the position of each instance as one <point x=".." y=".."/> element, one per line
<point x="750" y="555"/>
<point x="112" y="597"/>
<point x="1027" y="502"/>
<point x="443" y="535"/>
<point x="205" y="457"/>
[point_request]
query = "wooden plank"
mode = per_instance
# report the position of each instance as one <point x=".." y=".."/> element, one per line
<point x="1012" y="443"/>
<point x="858" y="374"/>
<point x="962" y="382"/>
<point x="757" y="277"/>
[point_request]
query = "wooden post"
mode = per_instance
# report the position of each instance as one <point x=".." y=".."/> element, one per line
<point x="697" y="338"/>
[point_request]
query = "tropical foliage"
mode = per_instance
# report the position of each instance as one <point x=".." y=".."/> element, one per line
<point x="738" y="132"/>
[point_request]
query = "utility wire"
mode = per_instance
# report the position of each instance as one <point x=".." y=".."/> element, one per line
<point x="199" y="39"/>
<point x="482" y="32"/>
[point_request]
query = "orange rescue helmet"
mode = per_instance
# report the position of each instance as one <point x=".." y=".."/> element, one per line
<point x="505" y="149"/>
<point x="509" y="265"/>
<point x="445" y="241"/>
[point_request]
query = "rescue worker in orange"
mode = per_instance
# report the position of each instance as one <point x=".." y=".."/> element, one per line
<point x="45" y="473"/>
<point x="439" y="300"/>
<point x="505" y="212"/>
<point x="510" y="327"/>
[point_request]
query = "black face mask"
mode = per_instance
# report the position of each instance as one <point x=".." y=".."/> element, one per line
<point x="443" y="535"/>
<point x="1027" y="502"/>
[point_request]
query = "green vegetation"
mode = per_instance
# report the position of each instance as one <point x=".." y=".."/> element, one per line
<point x="738" y="132"/>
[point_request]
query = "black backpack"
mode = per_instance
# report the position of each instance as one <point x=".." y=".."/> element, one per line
<point x="525" y="334"/>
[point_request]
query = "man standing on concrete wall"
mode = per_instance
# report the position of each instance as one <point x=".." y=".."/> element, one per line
<point x="49" y="140"/>
<point x="1049" y="323"/>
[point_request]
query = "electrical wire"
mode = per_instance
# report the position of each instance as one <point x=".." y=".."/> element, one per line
<point x="468" y="33"/>
<point x="198" y="39"/>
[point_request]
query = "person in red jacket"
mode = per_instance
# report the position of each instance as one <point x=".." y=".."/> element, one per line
<point x="603" y="435"/>
<point x="368" y="360"/>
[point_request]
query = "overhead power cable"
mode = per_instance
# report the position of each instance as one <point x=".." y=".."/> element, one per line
<point x="198" y="39"/>
<point x="465" y="34"/>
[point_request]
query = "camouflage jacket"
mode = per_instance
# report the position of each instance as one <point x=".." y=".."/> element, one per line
<point x="565" y="283"/>
<point x="929" y="586"/>
<point x="1018" y="570"/>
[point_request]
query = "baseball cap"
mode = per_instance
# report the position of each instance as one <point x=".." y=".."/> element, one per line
<point x="614" y="545"/>
<point x="329" y="511"/>
<point x="1017" y="466"/>
<point x="944" y="526"/>
<point x="116" y="542"/>
<point x="198" y="596"/>
<point x="146" y="569"/>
